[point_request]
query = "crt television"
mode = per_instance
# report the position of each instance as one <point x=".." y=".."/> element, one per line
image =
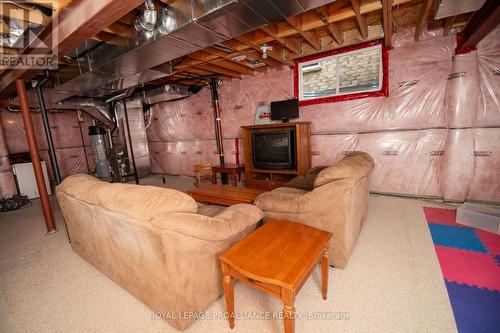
<point x="273" y="150"/>
<point x="285" y="110"/>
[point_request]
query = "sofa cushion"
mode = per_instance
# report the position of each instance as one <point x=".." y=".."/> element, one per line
<point x="313" y="172"/>
<point x="305" y="182"/>
<point x="209" y="210"/>
<point x="144" y="202"/>
<point x="354" y="165"/>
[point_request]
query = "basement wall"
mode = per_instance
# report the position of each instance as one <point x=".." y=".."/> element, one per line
<point x="7" y="185"/>
<point x="67" y="141"/>
<point x="437" y="134"/>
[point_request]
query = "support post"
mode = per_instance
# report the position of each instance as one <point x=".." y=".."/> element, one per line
<point x="136" y="176"/>
<point x="35" y="157"/>
<point x="50" y="142"/>
<point x="218" y="127"/>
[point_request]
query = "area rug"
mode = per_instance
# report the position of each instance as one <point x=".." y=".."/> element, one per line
<point x="470" y="262"/>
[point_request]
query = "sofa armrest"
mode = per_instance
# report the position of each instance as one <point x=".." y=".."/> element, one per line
<point x="300" y="202"/>
<point x="230" y="222"/>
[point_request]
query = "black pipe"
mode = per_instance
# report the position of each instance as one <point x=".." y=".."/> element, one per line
<point x="79" y="115"/>
<point x="218" y="127"/>
<point x="136" y="176"/>
<point x="50" y="142"/>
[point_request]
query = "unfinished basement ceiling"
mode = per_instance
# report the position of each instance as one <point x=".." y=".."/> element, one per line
<point x="197" y="39"/>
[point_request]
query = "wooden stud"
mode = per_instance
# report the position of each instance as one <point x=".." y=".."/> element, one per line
<point x="424" y="12"/>
<point x="387" y="21"/>
<point x="448" y="24"/>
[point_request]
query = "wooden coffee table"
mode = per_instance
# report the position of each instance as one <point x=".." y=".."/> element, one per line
<point x="276" y="259"/>
<point x="224" y="195"/>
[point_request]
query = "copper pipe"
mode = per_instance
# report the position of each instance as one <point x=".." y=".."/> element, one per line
<point x="35" y="157"/>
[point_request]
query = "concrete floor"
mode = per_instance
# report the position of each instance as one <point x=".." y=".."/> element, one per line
<point x="393" y="282"/>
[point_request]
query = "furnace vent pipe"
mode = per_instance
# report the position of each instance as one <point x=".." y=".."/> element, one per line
<point x="50" y="142"/>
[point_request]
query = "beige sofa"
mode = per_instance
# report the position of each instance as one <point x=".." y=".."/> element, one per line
<point x="331" y="198"/>
<point x="156" y="243"/>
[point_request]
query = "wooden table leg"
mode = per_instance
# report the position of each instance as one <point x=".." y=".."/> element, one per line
<point x="228" y="294"/>
<point x="288" y="310"/>
<point x="324" y="273"/>
<point x="234" y="179"/>
<point x="214" y="177"/>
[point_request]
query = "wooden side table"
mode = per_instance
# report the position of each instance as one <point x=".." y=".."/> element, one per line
<point x="276" y="259"/>
<point x="233" y="170"/>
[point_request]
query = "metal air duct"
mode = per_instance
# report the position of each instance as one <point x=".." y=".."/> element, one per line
<point x="183" y="27"/>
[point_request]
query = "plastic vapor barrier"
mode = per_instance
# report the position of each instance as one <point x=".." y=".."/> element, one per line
<point x="7" y="185"/>
<point x="65" y="134"/>
<point x="437" y="134"/>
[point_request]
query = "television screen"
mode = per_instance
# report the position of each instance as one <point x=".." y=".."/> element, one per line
<point x="273" y="150"/>
<point x="285" y="110"/>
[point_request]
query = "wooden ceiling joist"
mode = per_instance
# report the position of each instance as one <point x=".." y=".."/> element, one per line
<point x="334" y="28"/>
<point x="290" y="43"/>
<point x="360" y="18"/>
<point x="387" y="21"/>
<point x="422" y="19"/>
<point x="310" y="19"/>
<point x="311" y="36"/>
<point x="317" y="30"/>
<point x="208" y="58"/>
<point x="219" y="70"/>
<point x="231" y="56"/>
<point x="257" y="56"/>
<point x="276" y="53"/>
<point x="75" y="24"/>
<point x="232" y="66"/>
<point x="121" y="29"/>
<point x="110" y="38"/>
<point x="11" y="11"/>
<point x="7" y="50"/>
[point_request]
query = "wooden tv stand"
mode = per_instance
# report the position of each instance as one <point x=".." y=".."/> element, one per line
<point x="270" y="179"/>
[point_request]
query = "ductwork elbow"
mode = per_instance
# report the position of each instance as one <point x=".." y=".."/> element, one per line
<point x="147" y="20"/>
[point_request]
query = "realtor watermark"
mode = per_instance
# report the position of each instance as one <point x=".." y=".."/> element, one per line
<point x="252" y="315"/>
<point x="29" y="36"/>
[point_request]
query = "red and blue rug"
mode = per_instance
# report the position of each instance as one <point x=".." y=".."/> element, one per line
<point x="470" y="262"/>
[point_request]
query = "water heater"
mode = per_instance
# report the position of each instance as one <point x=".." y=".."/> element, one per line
<point x="100" y="145"/>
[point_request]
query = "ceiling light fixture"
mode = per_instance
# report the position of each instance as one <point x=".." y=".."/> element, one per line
<point x="264" y="48"/>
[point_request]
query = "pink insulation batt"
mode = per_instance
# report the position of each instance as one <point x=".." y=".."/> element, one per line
<point x="437" y="134"/>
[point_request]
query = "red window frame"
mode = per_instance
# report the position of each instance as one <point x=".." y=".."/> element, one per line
<point x="384" y="91"/>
